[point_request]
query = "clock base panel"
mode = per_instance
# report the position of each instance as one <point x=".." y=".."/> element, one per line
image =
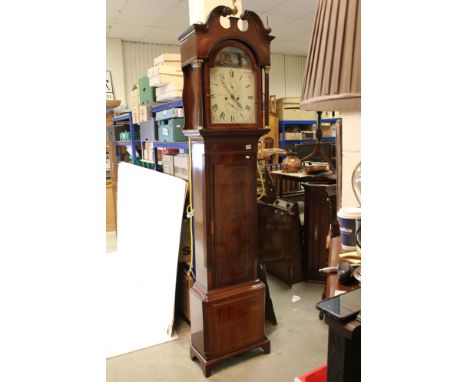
<point x="226" y="322"/>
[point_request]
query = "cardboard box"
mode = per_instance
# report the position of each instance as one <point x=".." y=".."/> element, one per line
<point x="169" y="88"/>
<point x="148" y="146"/>
<point x="288" y="109"/>
<point x="167" y="59"/>
<point x="166" y="97"/>
<point x="148" y="154"/>
<point x="145" y="113"/>
<point x="159" y="153"/>
<point x="331" y="114"/>
<point x="293" y="136"/>
<point x="184" y="283"/>
<point x="308" y="134"/>
<point x="175" y="112"/>
<point x="163" y="75"/>
<point x="181" y="163"/>
<point x="174" y="83"/>
<point x="135" y="104"/>
<point x="165" y="69"/>
<point x="135" y="95"/>
<point x="168" y="164"/>
<point x="326" y="129"/>
<point x="185" y="242"/>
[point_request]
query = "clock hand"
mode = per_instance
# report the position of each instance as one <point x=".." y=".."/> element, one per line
<point x="236" y="101"/>
<point x="230" y="104"/>
<point x="231" y="94"/>
<point x="225" y="87"/>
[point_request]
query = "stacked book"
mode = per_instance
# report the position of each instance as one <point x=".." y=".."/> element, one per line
<point x="166" y="75"/>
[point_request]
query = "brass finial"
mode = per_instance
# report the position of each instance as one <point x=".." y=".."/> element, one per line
<point x="234" y="8"/>
<point x="268" y="28"/>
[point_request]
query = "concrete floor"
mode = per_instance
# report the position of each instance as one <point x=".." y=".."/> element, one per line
<point x="298" y="345"/>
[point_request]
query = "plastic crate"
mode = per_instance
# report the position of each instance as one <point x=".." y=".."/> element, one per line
<point x="170" y="130"/>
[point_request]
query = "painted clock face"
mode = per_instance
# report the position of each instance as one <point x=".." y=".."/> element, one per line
<point x="232" y="88"/>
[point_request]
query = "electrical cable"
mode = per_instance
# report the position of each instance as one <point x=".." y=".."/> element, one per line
<point x="189" y="210"/>
<point x="263" y="193"/>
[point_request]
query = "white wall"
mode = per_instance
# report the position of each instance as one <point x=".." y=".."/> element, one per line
<point x="351" y="155"/>
<point x="114" y="63"/>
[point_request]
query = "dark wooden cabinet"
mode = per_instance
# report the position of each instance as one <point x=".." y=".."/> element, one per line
<point x="223" y="120"/>
<point x="320" y="207"/>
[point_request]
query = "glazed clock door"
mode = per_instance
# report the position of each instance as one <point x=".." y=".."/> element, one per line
<point x="233" y="88"/>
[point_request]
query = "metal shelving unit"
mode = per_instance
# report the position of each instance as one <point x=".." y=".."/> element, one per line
<point x="297" y="142"/>
<point x="133" y="142"/>
<point x="171" y="145"/>
<point x="166" y="105"/>
<point x="283" y="123"/>
<point x="167" y="145"/>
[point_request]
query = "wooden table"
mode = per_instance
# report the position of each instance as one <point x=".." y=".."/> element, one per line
<point x="344" y="339"/>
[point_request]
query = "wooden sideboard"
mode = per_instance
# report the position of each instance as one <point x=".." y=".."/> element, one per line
<point x="320" y="207"/>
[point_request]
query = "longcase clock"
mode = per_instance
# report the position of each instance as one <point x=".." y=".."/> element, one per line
<point x="225" y="85"/>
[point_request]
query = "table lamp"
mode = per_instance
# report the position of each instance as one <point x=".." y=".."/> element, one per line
<point x="332" y="78"/>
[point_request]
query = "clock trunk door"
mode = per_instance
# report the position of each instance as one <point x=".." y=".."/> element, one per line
<point x="233" y="219"/>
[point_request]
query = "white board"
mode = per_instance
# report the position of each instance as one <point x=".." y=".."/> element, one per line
<point x="141" y="275"/>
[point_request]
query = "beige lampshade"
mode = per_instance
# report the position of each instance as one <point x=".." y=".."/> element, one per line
<point x="332" y="79"/>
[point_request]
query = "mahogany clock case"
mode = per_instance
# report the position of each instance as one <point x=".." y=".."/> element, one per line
<point x="227" y="301"/>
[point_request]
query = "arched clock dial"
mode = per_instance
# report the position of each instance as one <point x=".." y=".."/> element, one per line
<point x="232" y="88"/>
